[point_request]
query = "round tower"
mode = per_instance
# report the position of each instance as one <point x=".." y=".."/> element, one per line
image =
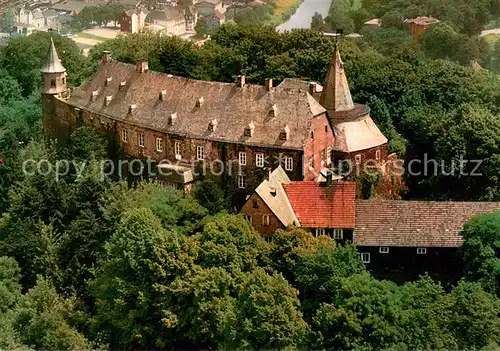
<point x="54" y="74"/>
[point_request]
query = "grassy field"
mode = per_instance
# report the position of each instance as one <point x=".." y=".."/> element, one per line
<point x="492" y="38"/>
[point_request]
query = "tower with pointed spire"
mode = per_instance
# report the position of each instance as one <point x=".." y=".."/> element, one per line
<point x="54" y="74"/>
<point x="336" y="95"/>
<point x="357" y="137"/>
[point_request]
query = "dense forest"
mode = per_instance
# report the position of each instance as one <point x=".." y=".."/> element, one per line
<point x="90" y="262"/>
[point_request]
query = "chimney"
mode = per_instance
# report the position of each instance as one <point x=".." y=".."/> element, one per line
<point x="108" y="80"/>
<point x="122" y="84"/>
<point x="329" y="177"/>
<point x="141" y="66"/>
<point x="162" y="95"/>
<point x="268" y="82"/>
<point x="132" y="108"/>
<point x="106" y="56"/>
<point x="241" y="81"/>
<point x="312" y="87"/>
<point x="269" y="171"/>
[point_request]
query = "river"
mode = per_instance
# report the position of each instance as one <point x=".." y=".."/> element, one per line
<point x="302" y="17"/>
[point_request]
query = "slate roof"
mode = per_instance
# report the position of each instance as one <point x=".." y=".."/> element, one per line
<point x="53" y="64"/>
<point x="320" y="206"/>
<point x="414" y="223"/>
<point x="272" y="193"/>
<point x="233" y="107"/>
<point x="336" y="95"/>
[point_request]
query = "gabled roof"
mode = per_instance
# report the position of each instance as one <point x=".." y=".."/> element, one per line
<point x="414" y="223"/>
<point x="320" y="206"/>
<point x="233" y="106"/>
<point x="336" y="95"/>
<point x="53" y="64"/>
<point x="272" y="193"/>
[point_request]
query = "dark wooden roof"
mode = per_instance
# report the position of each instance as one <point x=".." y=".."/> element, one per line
<point x="414" y="223"/>
<point x="233" y="107"/>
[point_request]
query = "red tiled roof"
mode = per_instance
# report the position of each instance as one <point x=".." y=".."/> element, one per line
<point x="320" y="206"/>
<point x="414" y="223"/>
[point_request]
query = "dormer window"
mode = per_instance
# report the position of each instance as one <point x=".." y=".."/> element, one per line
<point x="199" y="102"/>
<point x="285" y="133"/>
<point x="163" y="93"/>
<point x="108" y="80"/>
<point x="172" y="118"/>
<point x="94" y="95"/>
<point x="273" y="112"/>
<point x="249" y="130"/>
<point x="108" y="100"/>
<point x="132" y="108"/>
<point x="212" y="125"/>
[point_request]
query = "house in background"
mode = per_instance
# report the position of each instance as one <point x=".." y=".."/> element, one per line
<point x="419" y="25"/>
<point x="214" y="19"/>
<point x="132" y="21"/>
<point x="206" y="7"/>
<point x="173" y="20"/>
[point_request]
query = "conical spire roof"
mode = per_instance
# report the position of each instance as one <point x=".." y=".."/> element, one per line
<point x="336" y="95"/>
<point x="53" y="64"/>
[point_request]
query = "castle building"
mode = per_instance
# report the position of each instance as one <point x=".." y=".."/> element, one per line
<point x="237" y="131"/>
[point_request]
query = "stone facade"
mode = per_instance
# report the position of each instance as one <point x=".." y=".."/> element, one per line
<point x="260" y="215"/>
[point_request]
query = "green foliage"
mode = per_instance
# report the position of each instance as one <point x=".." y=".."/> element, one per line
<point x="338" y="18"/>
<point x="317" y="22"/>
<point x="23" y="57"/>
<point x="481" y="238"/>
<point x="201" y="27"/>
<point x="100" y="15"/>
<point x="393" y="19"/>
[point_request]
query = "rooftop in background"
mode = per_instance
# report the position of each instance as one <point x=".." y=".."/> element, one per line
<point x="423" y="20"/>
<point x="319" y="205"/>
<point x="374" y="22"/>
<point x="414" y="223"/>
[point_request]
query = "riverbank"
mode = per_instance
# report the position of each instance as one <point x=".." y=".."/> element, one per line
<point x="286" y="8"/>
<point x="302" y="17"/>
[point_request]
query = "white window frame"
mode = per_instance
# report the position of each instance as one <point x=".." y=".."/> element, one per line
<point x="338" y="234"/>
<point x="242" y="182"/>
<point x="159" y="144"/>
<point x="288" y="163"/>
<point x="265" y="220"/>
<point x="248" y="218"/>
<point x="177" y="149"/>
<point x="421" y="251"/>
<point x="125" y="135"/>
<point x="365" y="257"/>
<point x="357" y="159"/>
<point x="320" y="231"/>
<point x="242" y="158"/>
<point x="259" y="160"/>
<point x="383" y="249"/>
<point x="200" y="153"/>
<point x="377" y="155"/>
<point x="141" y="140"/>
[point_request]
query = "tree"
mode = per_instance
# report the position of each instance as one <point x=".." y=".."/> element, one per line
<point x="209" y="195"/>
<point x="364" y="315"/>
<point x="8" y="21"/>
<point x="317" y="22"/>
<point x="440" y="41"/>
<point x="201" y="27"/>
<point x="393" y="19"/>
<point x="481" y="237"/>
